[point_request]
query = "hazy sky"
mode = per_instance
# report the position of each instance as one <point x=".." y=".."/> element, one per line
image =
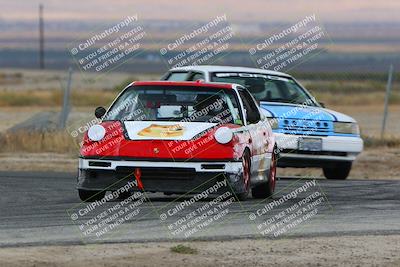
<point x="248" y="10"/>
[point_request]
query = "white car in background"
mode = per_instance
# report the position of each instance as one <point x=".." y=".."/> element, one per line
<point x="308" y="135"/>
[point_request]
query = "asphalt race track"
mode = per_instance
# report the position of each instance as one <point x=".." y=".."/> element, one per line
<point x="36" y="209"/>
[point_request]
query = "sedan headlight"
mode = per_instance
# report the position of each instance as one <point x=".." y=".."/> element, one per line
<point x="273" y="122"/>
<point x="346" y="127"/>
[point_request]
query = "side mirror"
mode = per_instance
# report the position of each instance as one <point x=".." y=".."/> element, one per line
<point x="322" y="104"/>
<point x="99" y="112"/>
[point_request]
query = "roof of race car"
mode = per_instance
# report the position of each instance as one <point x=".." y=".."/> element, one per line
<point x="196" y="84"/>
<point x="212" y="68"/>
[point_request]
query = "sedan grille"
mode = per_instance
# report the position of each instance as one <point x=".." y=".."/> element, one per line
<point x="159" y="173"/>
<point x="305" y="127"/>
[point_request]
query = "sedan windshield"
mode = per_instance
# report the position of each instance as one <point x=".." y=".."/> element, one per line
<point x="268" y="88"/>
<point x="181" y="103"/>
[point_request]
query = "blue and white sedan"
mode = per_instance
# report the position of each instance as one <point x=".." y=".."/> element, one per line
<point x="308" y="135"/>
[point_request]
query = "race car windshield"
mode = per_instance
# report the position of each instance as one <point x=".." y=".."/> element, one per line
<point x="183" y="103"/>
<point x="268" y="88"/>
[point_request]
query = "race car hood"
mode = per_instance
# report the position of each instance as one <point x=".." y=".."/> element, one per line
<point x="162" y="130"/>
<point x="293" y="111"/>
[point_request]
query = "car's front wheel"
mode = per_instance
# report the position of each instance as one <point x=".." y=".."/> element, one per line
<point x="339" y="171"/>
<point x="245" y="178"/>
<point x="90" y="195"/>
<point x="265" y="190"/>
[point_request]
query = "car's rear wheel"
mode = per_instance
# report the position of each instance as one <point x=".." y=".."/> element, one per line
<point x="339" y="171"/>
<point x="90" y="195"/>
<point x="245" y="178"/>
<point x="265" y="190"/>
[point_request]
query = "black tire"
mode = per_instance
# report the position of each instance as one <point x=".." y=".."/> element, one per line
<point x="124" y="195"/>
<point x="90" y="195"/>
<point x="338" y="172"/>
<point x="246" y="171"/>
<point x="267" y="189"/>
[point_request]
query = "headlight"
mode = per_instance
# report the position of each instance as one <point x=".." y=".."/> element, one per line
<point x="96" y="132"/>
<point x="346" y="127"/>
<point x="273" y="122"/>
<point x="223" y="135"/>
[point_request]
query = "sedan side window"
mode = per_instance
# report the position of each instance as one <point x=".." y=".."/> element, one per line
<point x="195" y="76"/>
<point x="176" y="76"/>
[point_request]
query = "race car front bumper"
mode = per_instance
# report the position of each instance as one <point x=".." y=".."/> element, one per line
<point x="335" y="149"/>
<point x="158" y="176"/>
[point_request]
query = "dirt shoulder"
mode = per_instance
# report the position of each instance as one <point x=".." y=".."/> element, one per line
<point x="321" y="251"/>
<point x="374" y="163"/>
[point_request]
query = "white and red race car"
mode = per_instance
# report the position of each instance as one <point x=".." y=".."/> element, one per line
<point x="174" y="137"/>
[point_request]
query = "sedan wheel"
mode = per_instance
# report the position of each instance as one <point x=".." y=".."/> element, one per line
<point x="338" y="172"/>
